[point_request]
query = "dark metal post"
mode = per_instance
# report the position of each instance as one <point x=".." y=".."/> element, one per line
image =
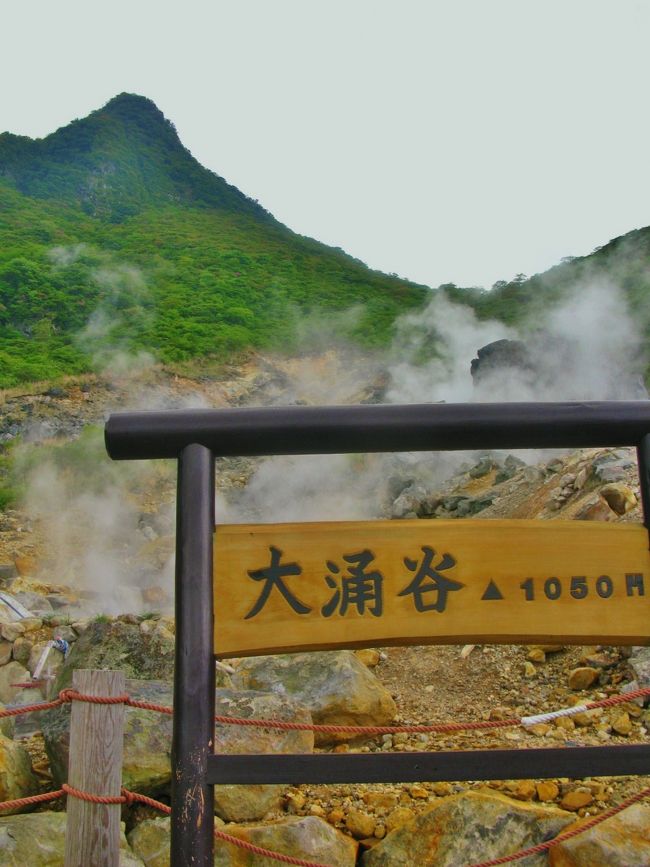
<point x="192" y="824"/>
<point x="643" y="459"/>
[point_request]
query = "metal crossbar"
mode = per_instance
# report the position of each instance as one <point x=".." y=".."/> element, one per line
<point x="295" y="430"/>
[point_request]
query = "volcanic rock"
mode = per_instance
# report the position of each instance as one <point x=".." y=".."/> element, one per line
<point x="463" y="828"/>
<point x="308" y="838"/>
<point x="622" y="841"/>
<point x="619" y="497"/>
<point x="38" y="840"/>
<point x="147" y="744"/>
<point x="11" y="673"/>
<point x="335" y="686"/>
<point x="17" y="779"/>
<point x="118" y="645"/>
<point x="500" y="356"/>
<point x="583" y="678"/>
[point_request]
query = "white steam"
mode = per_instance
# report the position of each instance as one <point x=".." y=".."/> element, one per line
<point x="97" y="540"/>
<point x="124" y="290"/>
<point x="454" y="333"/>
<point x="64" y="256"/>
<point x="102" y="539"/>
<point x="587" y="348"/>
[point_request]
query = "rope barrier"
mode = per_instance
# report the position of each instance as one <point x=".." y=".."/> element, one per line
<point x="30" y="684"/>
<point x="17" y="803"/>
<point x="128" y="797"/>
<point x="68" y="695"/>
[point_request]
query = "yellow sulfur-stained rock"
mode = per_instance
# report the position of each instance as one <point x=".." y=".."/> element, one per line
<point x="576" y="799"/>
<point x="401" y="817"/>
<point x="333" y="685"/>
<point x="622" y="724"/>
<point x="583" y="678"/>
<point x="622" y="841"/>
<point x="387" y="800"/>
<point x="38" y="840"/>
<point x="465" y="828"/>
<point x="308" y="838"/>
<point x="619" y="497"/>
<point x="359" y="824"/>
<point x="525" y="790"/>
<point x="17" y="779"/>
<point x="369" y="656"/>
<point x="547" y="790"/>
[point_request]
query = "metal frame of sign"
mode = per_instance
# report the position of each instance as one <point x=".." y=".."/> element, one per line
<point x="195" y="437"/>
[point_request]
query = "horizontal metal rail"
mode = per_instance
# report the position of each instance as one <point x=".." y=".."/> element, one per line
<point x="377" y="428"/>
<point x="574" y="762"/>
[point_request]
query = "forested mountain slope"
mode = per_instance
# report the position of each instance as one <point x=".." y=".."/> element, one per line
<point x="112" y="236"/>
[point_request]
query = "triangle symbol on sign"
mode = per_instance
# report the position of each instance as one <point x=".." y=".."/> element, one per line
<point x="492" y="592"/>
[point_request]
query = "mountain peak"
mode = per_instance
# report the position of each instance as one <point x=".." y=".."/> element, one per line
<point x="133" y="109"/>
<point x="117" y="161"/>
<point x="131" y="100"/>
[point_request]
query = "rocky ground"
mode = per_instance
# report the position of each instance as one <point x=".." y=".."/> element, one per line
<point x="426" y="684"/>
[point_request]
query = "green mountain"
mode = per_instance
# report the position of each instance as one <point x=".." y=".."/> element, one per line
<point x="114" y="237"/>
<point x="115" y="163"/>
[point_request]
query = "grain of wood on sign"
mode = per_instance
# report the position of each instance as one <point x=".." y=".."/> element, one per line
<point x="95" y="766"/>
<point x="281" y="587"/>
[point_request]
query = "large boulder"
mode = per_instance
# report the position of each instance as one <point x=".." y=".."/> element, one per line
<point x="308" y="838"/>
<point x="7" y="724"/>
<point x="639" y="663"/>
<point x="613" y="466"/>
<point x="334" y="686"/>
<point x="500" y="357"/>
<point x="146" y="766"/>
<point x="245" y="803"/>
<point x="473" y="826"/>
<point x="123" y="646"/>
<point x="147" y="739"/>
<point x="17" y="779"/>
<point x="38" y="840"/>
<point x="10" y="674"/>
<point x="622" y="841"/>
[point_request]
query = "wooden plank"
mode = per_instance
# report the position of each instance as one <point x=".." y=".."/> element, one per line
<point x="95" y="766"/>
<point x="544" y="763"/>
<point x="281" y="587"/>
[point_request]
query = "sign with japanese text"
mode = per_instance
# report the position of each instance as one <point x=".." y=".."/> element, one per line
<point x="282" y="587"/>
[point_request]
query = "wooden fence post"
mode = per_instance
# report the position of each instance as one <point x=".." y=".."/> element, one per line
<point x="95" y="766"/>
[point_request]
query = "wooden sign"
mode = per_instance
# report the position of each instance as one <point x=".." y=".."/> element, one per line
<point x="282" y="587"/>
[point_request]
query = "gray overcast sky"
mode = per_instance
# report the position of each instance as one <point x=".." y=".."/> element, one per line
<point x="448" y="140"/>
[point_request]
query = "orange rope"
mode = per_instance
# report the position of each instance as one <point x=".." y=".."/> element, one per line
<point x="72" y="695"/>
<point x="94" y="799"/>
<point x="148" y="705"/>
<point x="129" y="797"/>
<point x="367" y="730"/>
<point x="28" y="708"/>
<point x="67" y="695"/>
<point x="28" y="802"/>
